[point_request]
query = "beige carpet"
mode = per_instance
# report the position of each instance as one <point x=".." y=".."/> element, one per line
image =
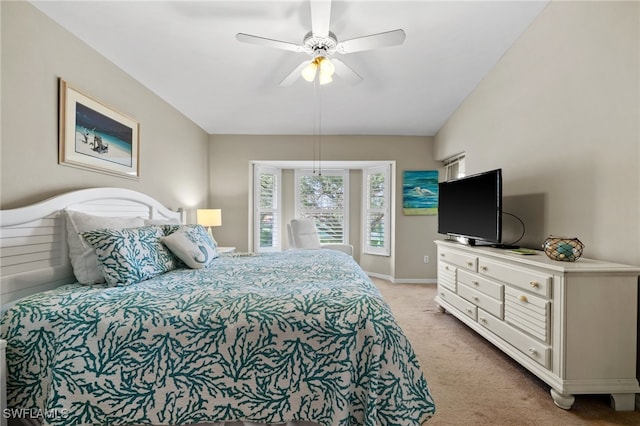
<point x="474" y="383"/>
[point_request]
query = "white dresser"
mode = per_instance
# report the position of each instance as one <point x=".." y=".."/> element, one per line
<point x="572" y="324"/>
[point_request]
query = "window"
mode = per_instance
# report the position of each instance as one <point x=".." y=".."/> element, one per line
<point x="454" y="167"/>
<point x="377" y="210"/>
<point x="266" y="188"/>
<point x="324" y="197"/>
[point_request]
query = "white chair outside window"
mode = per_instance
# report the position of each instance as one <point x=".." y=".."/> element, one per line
<point x="303" y="234"/>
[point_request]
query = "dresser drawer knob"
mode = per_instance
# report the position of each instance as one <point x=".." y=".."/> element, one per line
<point x="469" y="264"/>
<point x="443" y="294"/>
<point x="523" y="298"/>
<point x="441" y="254"/>
<point x="476" y="283"/>
<point x="475" y="298"/>
<point x="484" y="268"/>
<point x="469" y="311"/>
<point x="446" y="268"/>
<point x="483" y="320"/>
<point x="533" y="352"/>
<point x="534" y="284"/>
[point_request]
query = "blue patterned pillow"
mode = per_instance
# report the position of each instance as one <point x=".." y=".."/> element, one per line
<point x="193" y="245"/>
<point x="128" y="256"/>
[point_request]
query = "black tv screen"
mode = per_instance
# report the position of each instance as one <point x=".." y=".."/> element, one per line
<point x="471" y="207"/>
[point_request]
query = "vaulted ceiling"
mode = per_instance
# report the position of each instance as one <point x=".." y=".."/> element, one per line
<point x="187" y="53"/>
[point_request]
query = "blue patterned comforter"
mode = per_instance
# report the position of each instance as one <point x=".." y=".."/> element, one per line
<point x="298" y="335"/>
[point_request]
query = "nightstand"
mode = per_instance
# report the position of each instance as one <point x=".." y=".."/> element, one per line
<point x="226" y="250"/>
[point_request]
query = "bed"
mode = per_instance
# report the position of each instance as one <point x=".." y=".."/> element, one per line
<point x="300" y="337"/>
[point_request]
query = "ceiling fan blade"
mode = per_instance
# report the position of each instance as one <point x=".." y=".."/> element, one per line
<point x="262" y="41"/>
<point x="320" y="17"/>
<point x="373" y="41"/>
<point x="345" y="72"/>
<point x="294" y="75"/>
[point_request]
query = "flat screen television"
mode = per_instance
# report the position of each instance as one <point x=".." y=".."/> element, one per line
<point x="471" y="207"/>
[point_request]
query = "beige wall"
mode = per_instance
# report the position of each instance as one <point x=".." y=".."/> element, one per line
<point x="35" y="52"/>
<point x="230" y="158"/>
<point x="560" y="114"/>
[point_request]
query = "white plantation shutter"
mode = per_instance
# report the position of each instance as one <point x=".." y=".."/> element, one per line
<point x="377" y="210"/>
<point x="324" y="197"/>
<point x="267" y="209"/>
<point x="454" y="167"/>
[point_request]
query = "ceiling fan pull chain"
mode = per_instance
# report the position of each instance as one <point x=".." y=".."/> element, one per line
<point x="319" y="129"/>
<point x="315" y="123"/>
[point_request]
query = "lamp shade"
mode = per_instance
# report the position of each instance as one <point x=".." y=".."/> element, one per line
<point x="327" y="67"/>
<point x="209" y="217"/>
<point x="324" y="78"/>
<point x="309" y="72"/>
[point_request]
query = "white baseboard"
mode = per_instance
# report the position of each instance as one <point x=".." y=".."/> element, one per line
<point x="402" y="280"/>
<point x="381" y="276"/>
<point x="414" y="281"/>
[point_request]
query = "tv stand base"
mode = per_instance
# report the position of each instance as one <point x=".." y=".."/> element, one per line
<point x="505" y="246"/>
<point x="473" y="242"/>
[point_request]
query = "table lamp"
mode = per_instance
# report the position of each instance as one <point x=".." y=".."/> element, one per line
<point x="209" y="218"/>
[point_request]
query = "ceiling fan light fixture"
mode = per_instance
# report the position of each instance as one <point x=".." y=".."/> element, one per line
<point x="326" y="67"/>
<point x="320" y="66"/>
<point x="324" y="78"/>
<point x="309" y="72"/>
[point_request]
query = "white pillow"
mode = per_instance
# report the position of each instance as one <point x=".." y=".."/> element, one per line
<point x="193" y="245"/>
<point x="160" y="222"/>
<point x="83" y="258"/>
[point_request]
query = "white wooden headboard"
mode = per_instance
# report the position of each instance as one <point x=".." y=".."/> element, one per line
<point x="33" y="239"/>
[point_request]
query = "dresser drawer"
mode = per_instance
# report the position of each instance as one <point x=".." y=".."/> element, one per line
<point x="447" y="276"/>
<point x="527" y="312"/>
<point x="537" y="351"/>
<point x="467" y="308"/>
<point x="489" y="304"/>
<point x="536" y="282"/>
<point x="462" y="260"/>
<point x="483" y="285"/>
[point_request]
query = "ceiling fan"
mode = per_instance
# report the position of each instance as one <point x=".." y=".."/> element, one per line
<point x="320" y="43"/>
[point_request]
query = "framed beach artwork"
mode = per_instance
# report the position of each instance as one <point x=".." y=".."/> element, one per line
<point x="420" y="192"/>
<point x="96" y="137"/>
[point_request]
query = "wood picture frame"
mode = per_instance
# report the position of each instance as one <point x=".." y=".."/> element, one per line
<point x="94" y="136"/>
